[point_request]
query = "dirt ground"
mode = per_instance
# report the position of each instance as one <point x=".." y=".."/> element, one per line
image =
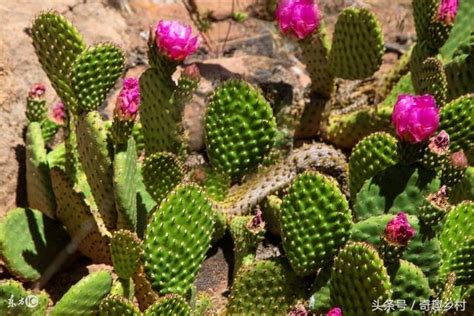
<point x="249" y="49"/>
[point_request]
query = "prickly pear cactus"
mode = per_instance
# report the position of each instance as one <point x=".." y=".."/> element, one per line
<point x="114" y="305"/>
<point x="315" y="222"/>
<point x="177" y="239"/>
<point x="15" y="300"/>
<point x="170" y="304"/>
<point x="239" y="128"/>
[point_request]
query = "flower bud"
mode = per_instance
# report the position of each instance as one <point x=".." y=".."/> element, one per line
<point x="37" y="91"/>
<point x="128" y="101"/>
<point x="398" y="230"/>
<point x="440" y="143"/>
<point x="59" y="113"/>
<point x="192" y="72"/>
<point x="459" y="160"/>
<point x="448" y="10"/>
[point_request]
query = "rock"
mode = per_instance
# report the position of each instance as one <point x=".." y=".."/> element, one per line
<point x="19" y="69"/>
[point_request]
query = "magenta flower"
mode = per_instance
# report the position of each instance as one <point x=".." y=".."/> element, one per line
<point x="175" y="40"/>
<point x="128" y="100"/>
<point x="398" y="230"/>
<point x="448" y="10"/>
<point x="299" y="17"/>
<point x="59" y="113"/>
<point x="415" y="117"/>
<point x="336" y="311"/>
<point x="37" y="90"/>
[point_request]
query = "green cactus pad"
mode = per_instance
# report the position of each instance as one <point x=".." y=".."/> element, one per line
<point x="125" y="186"/>
<point x="125" y="249"/>
<point x="114" y="305"/>
<point x="49" y="129"/>
<point x="162" y="172"/>
<point x="410" y="285"/>
<point x="397" y="188"/>
<point x="419" y="55"/>
<point x="95" y="159"/>
<point x="160" y="118"/>
<point x="16" y="301"/>
<point x="371" y="155"/>
<point x="38" y="180"/>
<point x="57" y="157"/>
<point x="464" y="190"/>
<point x="267" y="287"/>
<point x="358" y="278"/>
<point x="83" y="224"/>
<point x="429" y="28"/>
<point x="457" y="243"/>
<point x="36" y="110"/>
<point x="462" y="28"/>
<point x="239" y="128"/>
<point x="57" y="44"/>
<point x="177" y="239"/>
<point x="84" y="297"/>
<point x="170" y="304"/>
<point x="358" y="45"/>
<point x="459" y="74"/>
<point x="315" y="222"/>
<point x="94" y="73"/>
<point x="245" y="238"/>
<point x="456" y="120"/>
<point x="433" y="79"/>
<point x="424" y="253"/>
<point x="29" y="242"/>
<point x="315" y="52"/>
<point x="216" y="184"/>
<point x="145" y="203"/>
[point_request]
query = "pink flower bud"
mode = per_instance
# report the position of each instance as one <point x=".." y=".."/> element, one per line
<point x="36" y="91"/>
<point x="398" y="230"/>
<point x="336" y="311"/>
<point x="459" y="160"/>
<point x="257" y="221"/>
<point x="440" y="143"/>
<point x="415" y="117"/>
<point x="128" y="100"/>
<point x="299" y="310"/>
<point x="439" y="198"/>
<point x="448" y="10"/>
<point x="59" y="113"/>
<point x="299" y="17"/>
<point x="175" y="40"/>
<point x="192" y="72"/>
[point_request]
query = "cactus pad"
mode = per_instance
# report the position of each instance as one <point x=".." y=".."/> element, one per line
<point x="265" y="287"/>
<point x="94" y="73"/>
<point x="464" y="190"/>
<point x="433" y="80"/>
<point x="371" y="155"/>
<point x="114" y="305"/>
<point x="456" y="246"/>
<point x="82" y="223"/>
<point x="36" y="110"/>
<point x="358" y="46"/>
<point x="57" y="44"/>
<point x="162" y="172"/>
<point x="315" y="222"/>
<point x="170" y="304"/>
<point x="459" y="74"/>
<point x="394" y="189"/>
<point x="456" y="120"/>
<point x="424" y="253"/>
<point x="177" y="239"/>
<point x="95" y="159"/>
<point x="125" y="186"/>
<point x="16" y="301"/>
<point x="239" y="128"/>
<point x="38" y="180"/>
<point x="84" y="297"/>
<point x="29" y="242"/>
<point x="125" y="249"/>
<point x="160" y="118"/>
<point x="358" y="278"/>
<point x="429" y="29"/>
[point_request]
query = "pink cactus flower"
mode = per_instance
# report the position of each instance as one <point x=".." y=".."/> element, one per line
<point x="299" y="17"/>
<point x="415" y="117"/>
<point x="448" y="10"/>
<point x="398" y="230"/>
<point x="336" y="311"/>
<point x="59" y="113"/>
<point x="37" y="90"/>
<point x="175" y="40"/>
<point x="128" y="100"/>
